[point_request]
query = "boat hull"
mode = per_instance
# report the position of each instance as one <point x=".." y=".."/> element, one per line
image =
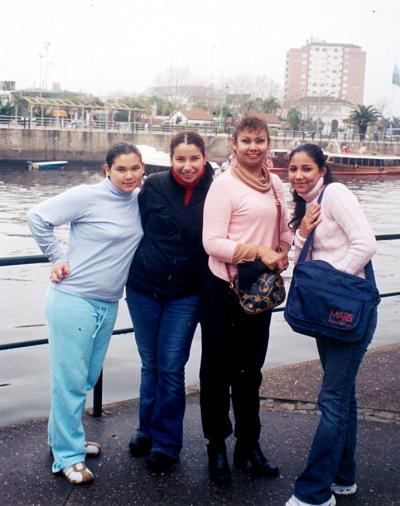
<point x="57" y="165"/>
<point x="349" y="170"/>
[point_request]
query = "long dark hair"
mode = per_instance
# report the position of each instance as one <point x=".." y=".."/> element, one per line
<point x="318" y="157"/>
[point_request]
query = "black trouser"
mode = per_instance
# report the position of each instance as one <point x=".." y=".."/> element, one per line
<point x="234" y="345"/>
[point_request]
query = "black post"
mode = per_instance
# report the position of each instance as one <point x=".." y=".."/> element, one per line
<point x="98" y="396"/>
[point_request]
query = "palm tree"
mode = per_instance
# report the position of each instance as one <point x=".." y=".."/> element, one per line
<point x="363" y="116"/>
<point x="271" y="105"/>
<point x="293" y="118"/>
<point x="250" y="104"/>
<point x="395" y="122"/>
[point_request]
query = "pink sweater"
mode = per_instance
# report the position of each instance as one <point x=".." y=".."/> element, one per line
<point x="344" y="237"/>
<point x="235" y="213"/>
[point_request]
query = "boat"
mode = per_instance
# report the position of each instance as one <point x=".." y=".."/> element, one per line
<point x="280" y="160"/>
<point x="158" y="161"/>
<point x="363" y="164"/>
<point x="56" y="165"/>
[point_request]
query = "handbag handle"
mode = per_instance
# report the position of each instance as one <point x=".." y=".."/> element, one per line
<point x="368" y="269"/>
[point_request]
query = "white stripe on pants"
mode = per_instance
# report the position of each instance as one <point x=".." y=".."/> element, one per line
<point x="79" y="333"/>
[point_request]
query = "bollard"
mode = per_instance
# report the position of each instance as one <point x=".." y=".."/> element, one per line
<point x="98" y="397"/>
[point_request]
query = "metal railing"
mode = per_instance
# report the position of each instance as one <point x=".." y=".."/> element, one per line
<point x="98" y="389"/>
<point x="90" y="124"/>
<point x="110" y="125"/>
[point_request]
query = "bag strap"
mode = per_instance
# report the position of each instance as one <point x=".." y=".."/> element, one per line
<point x="368" y="269"/>
<point x="279" y="214"/>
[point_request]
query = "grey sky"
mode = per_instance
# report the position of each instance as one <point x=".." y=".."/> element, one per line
<point x="101" y="46"/>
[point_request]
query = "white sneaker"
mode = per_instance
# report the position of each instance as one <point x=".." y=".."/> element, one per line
<point x="344" y="489"/>
<point x="293" y="501"/>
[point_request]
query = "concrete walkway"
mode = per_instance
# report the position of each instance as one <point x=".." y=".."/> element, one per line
<point x="289" y="418"/>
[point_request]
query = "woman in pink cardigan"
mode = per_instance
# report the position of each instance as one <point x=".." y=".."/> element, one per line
<point x="240" y="224"/>
<point x="344" y="238"/>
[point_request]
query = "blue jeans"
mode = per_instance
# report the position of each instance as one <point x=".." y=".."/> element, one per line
<point x="331" y="457"/>
<point x="164" y="332"/>
<point x="79" y="333"/>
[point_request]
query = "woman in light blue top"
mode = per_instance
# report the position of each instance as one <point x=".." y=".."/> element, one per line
<point x="81" y="304"/>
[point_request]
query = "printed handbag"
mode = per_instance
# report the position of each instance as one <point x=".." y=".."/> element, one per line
<point x="326" y="302"/>
<point x="257" y="287"/>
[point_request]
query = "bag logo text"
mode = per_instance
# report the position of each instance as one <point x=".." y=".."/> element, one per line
<point x="340" y="317"/>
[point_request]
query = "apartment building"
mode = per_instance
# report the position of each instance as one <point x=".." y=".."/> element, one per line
<point x="322" y="69"/>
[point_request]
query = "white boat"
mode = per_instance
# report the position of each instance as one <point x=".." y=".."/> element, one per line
<point x="47" y="165"/>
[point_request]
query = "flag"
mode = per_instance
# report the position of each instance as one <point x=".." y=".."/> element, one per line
<point x="396" y="76"/>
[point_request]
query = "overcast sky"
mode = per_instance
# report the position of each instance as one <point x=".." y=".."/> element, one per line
<point x="101" y="46"/>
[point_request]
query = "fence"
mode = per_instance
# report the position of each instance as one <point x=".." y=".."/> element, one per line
<point x="98" y="390"/>
<point x="390" y="136"/>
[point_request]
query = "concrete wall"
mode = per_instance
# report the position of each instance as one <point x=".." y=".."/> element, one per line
<point x="35" y="144"/>
<point x="42" y="145"/>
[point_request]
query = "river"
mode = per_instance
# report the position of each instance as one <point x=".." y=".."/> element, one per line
<point x="23" y="372"/>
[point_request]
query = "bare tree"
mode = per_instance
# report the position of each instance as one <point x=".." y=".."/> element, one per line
<point x="259" y="86"/>
<point x="174" y="80"/>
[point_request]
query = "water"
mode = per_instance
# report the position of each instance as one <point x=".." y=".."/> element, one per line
<point x="24" y="372"/>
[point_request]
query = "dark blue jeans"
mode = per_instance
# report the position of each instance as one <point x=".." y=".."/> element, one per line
<point x="331" y="457"/>
<point x="163" y="331"/>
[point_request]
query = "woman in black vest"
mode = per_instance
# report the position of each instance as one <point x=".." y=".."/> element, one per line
<point x="162" y="295"/>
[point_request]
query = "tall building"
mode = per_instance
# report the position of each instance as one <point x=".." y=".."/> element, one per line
<point x="322" y="69"/>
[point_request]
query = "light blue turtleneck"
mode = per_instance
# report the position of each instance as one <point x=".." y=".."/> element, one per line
<point x="105" y="232"/>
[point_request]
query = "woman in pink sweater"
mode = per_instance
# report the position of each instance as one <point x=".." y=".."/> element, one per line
<point x="240" y="224"/>
<point x="344" y="238"/>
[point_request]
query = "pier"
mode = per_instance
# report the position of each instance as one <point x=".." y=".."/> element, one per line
<point x="289" y="418"/>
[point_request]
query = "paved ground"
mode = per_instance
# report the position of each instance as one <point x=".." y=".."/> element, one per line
<point x="289" y="419"/>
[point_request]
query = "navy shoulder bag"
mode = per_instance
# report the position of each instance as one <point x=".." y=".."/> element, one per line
<point x="326" y="302"/>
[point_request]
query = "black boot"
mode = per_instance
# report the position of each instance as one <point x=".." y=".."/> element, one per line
<point x="218" y="466"/>
<point x="159" y="462"/>
<point x="140" y="446"/>
<point x="245" y="454"/>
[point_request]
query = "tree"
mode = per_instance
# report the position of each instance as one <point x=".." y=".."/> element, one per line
<point x="134" y="103"/>
<point x="200" y="105"/>
<point x="362" y="117"/>
<point x="271" y="105"/>
<point x="293" y="118"/>
<point x="250" y="105"/>
<point x="226" y="111"/>
<point x="164" y="106"/>
<point x="395" y="122"/>
<point x="6" y="109"/>
<point x="174" y="80"/>
<point x="256" y="86"/>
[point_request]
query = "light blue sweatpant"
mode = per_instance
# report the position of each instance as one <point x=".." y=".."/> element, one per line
<point x="79" y="333"/>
